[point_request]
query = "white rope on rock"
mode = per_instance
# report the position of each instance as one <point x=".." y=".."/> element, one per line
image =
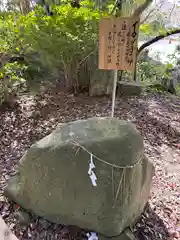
<point x="76" y="144"/>
<point x="115" y="193"/>
<point x="91" y="173"/>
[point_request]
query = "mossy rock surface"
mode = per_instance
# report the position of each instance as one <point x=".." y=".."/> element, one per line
<point x="129" y="89"/>
<point x="53" y="180"/>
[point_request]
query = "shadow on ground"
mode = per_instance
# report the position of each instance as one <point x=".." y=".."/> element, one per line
<point x="150" y="226"/>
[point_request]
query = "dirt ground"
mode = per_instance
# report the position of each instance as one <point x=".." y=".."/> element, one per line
<point x="156" y="116"/>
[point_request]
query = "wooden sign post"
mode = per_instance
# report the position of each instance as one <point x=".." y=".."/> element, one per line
<point x="118" y="43"/>
<point x="118" y="46"/>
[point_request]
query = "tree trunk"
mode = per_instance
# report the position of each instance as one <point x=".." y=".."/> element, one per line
<point x="101" y="81"/>
<point x="77" y="77"/>
<point x="68" y="72"/>
<point x="24" y="6"/>
<point x="83" y="77"/>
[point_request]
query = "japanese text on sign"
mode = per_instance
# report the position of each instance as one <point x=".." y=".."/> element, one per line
<point x="118" y="43"/>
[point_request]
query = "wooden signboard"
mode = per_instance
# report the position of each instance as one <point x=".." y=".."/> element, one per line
<point x="118" y="43"/>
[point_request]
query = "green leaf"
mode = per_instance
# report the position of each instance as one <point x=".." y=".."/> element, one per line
<point x="169" y="66"/>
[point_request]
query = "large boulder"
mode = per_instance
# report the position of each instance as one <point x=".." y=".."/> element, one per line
<point x="56" y="178"/>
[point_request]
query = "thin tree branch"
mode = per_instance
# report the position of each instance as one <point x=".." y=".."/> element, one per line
<point x="157" y="38"/>
<point x="139" y="10"/>
<point x="172" y="10"/>
<point x="151" y="11"/>
<point x="147" y="16"/>
<point x="114" y="7"/>
<point x="137" y="13"/>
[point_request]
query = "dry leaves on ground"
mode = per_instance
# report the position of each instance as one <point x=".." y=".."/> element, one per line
<point x="156" y="116"/>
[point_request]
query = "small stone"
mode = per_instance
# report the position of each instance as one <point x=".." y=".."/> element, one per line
<point x="126" y="235"/>
<point x="22" y="217"/>
<point x="174" y="234"/>
<point x="2" y="199"/>
<point x="7" y="232"/>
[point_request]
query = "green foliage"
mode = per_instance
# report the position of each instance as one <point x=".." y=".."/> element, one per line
<point x="61" y="43"/>
<point x="152" y="29"/>
<point x="153" y="74"/>
<point x="54" y="44"/>
<point x="11" y="74"/>
<point x="68" y="36"/>
<point x="11" y="80"/>
<point x="150" y="71"/>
